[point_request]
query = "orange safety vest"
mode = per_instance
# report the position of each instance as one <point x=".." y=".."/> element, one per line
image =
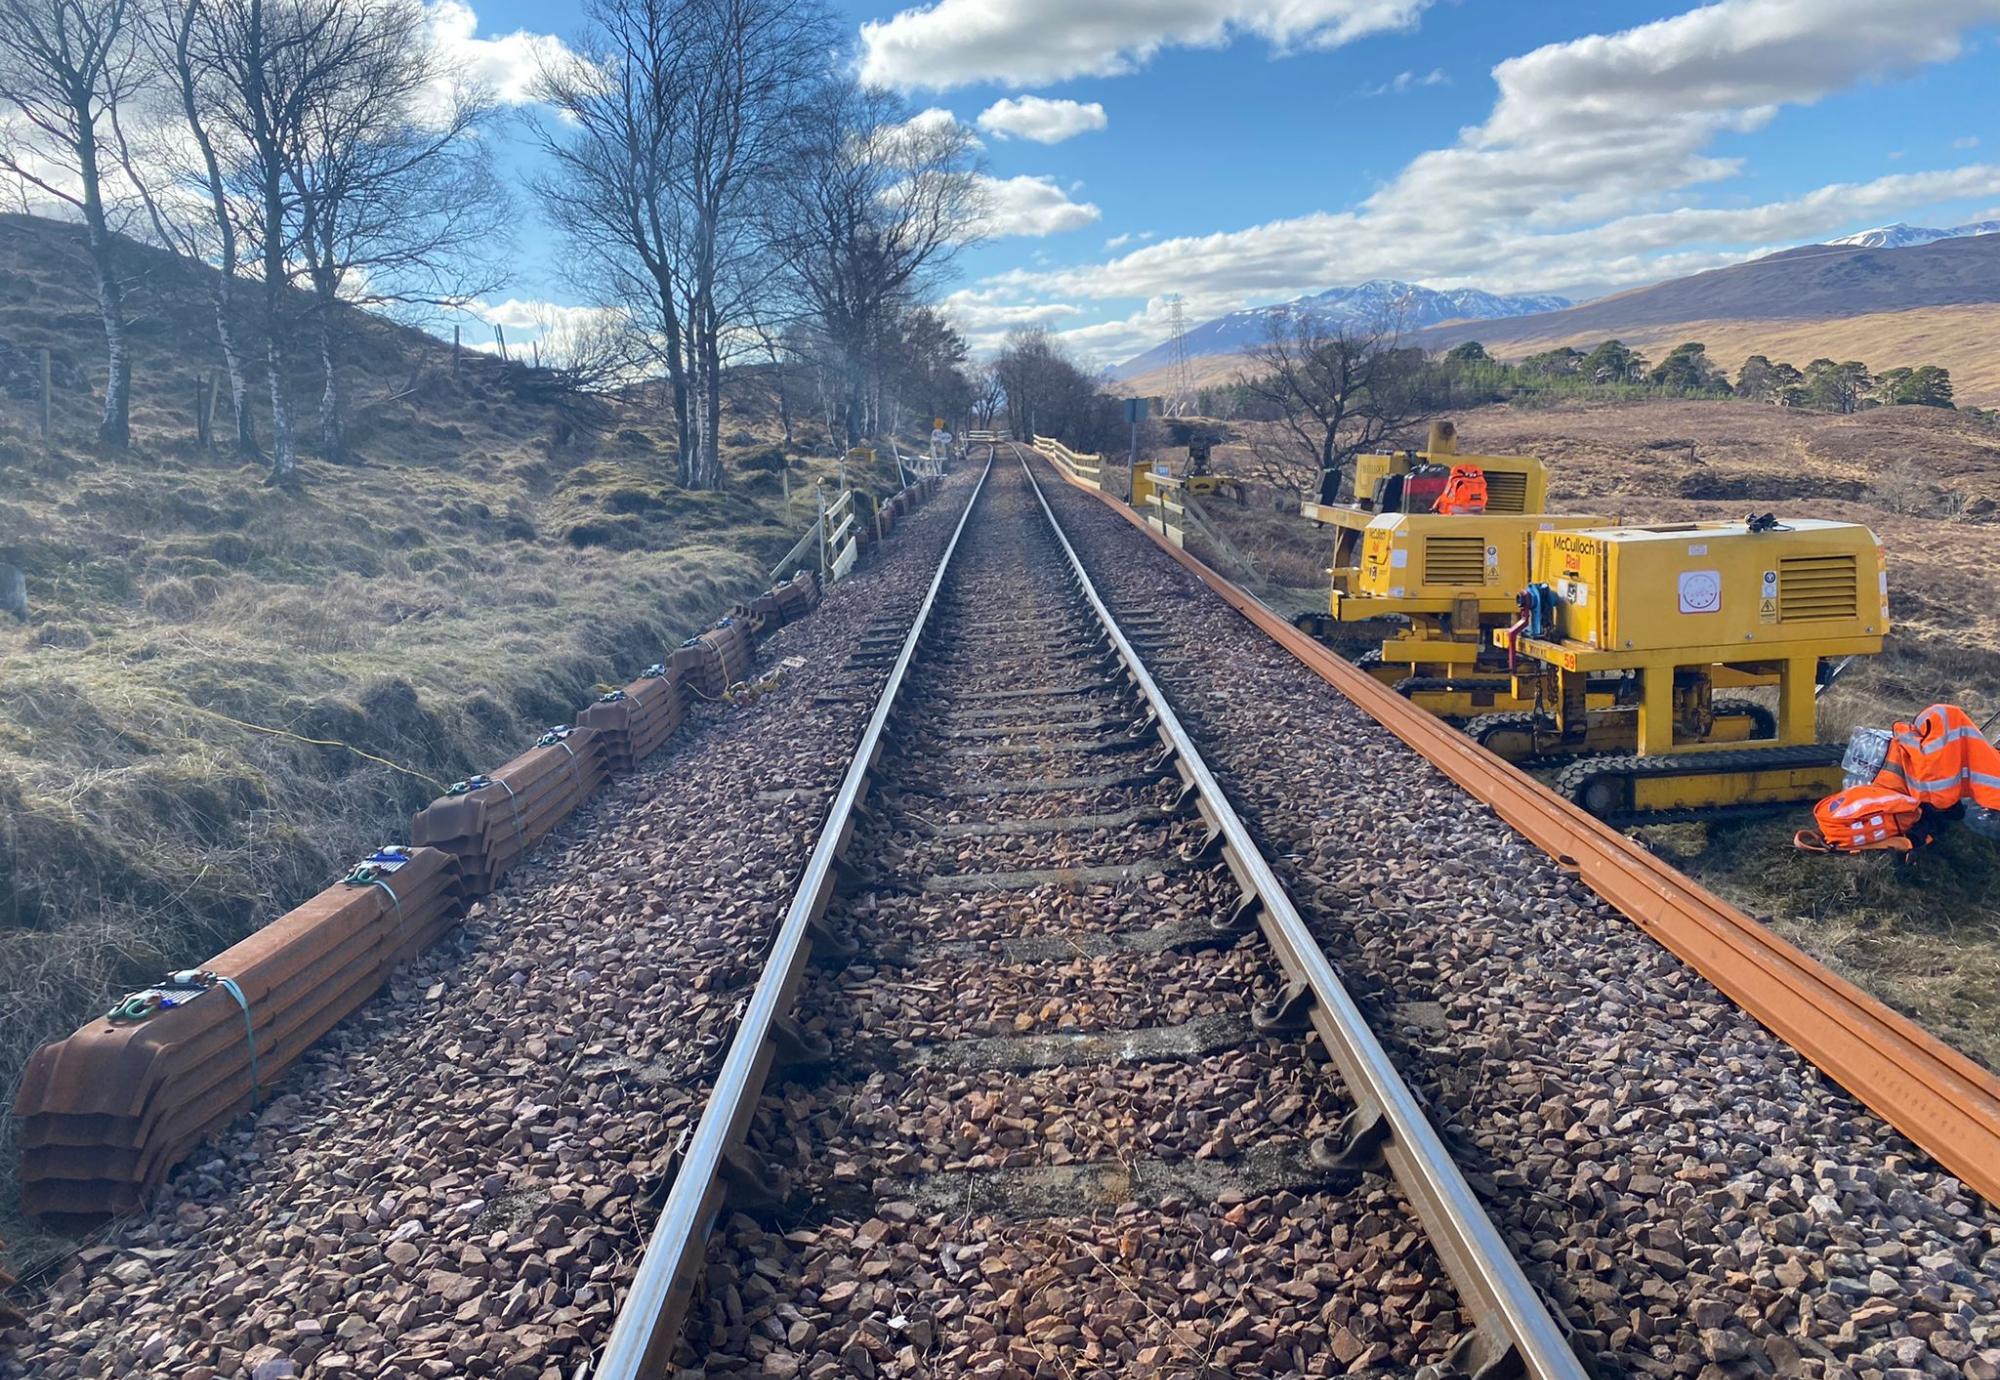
<point x="1860" y="819"/>
<point x="1464" y="492"/>
<point x="1942" y="759"/>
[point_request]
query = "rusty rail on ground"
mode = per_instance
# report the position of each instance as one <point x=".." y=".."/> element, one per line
<point x="1943" y="1101"/>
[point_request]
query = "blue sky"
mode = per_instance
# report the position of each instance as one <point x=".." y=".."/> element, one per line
<point x="1246" y="151"/>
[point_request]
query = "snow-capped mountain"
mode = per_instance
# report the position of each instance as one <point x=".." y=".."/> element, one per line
<point x="1403" y="306"/>
<point x="1901" y="236"/>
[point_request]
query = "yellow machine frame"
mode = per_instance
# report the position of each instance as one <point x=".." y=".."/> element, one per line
<point x="1678" y="611"/>
<point x="1447" y="579"/>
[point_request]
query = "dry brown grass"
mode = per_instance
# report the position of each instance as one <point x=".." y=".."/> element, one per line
<point x="472" y="578"/>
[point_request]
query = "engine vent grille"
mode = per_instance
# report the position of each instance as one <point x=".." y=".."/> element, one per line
<point x="1506" y="493"/>
<point x="1818" y="589"/>
<point x="1454" y="560"/>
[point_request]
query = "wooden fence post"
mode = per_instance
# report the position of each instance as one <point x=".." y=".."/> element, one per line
<point x="201" y="411"/>
<point x="48" y="423"/>
<point x="500" y="338"/>
<point x="454" y="351"/>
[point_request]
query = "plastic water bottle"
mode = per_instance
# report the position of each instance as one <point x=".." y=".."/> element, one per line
<point x="1867" y="749"/>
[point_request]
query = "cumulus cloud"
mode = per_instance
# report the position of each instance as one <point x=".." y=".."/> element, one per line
<point x="1581" y="177"/>
<point x="1408" y="81"/>
<point x="936" y="118"/>
<point x="1969" y="141"/>
<point x="1035" y="42"/>
<point x="1033" y="206"/>
<point x="505" y="65"/>
<point x="1044" y="121"/>
<point x="985" y="318"/>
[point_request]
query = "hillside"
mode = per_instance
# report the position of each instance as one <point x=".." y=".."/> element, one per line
<point x="491" y="556"/>
<point x="1931" y="303"/>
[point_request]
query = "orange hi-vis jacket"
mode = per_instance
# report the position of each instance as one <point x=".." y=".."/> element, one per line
<point x="1464" y="492"/>
<point x="1942" y="759"/>
<point x="1862" y="818"/>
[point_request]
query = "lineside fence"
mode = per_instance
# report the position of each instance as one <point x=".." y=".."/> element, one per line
<point x="1085" y="469"/>
<point x="1163" y="501"/>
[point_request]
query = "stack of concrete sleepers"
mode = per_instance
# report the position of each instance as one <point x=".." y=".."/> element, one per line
<point x="488" y="822"/>
<point x="104" y="1114"/>
<point x="633" y="723"/>
<point x="715" y="660"/>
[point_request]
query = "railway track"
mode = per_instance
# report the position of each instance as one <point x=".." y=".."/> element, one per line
<point x="1079" y="1090"/>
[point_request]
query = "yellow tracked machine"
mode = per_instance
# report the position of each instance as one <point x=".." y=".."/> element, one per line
<point x="1664" y="616"/>
<point x="1446" y="580"/>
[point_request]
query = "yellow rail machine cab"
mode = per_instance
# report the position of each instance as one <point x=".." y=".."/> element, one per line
<point x="1675" y="612"/>
<point x="1445" y="580"/>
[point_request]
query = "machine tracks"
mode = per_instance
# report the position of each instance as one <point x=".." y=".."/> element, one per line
<point x="1077" y="1092"/>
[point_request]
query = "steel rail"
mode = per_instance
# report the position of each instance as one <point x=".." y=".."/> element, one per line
<point x="1491" y="1283"/>
<point x="1945" y="1103"/>
<point x="649" y="1324"/>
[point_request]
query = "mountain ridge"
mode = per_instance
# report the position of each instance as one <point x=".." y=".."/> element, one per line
<point x="1934" y="303"/>
<point x="1902" y="235"/>
<point x="1410" y="306"/>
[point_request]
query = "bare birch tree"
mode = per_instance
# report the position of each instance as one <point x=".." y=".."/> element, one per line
<point x="875" y="210"/>
<point x="397" y="202"/>
<point x="1336" y="392"/>
<point x="178" y="167"/>
<point x="617" y="98"/>
<point x="65" y="66"/>
<point x="749" y="65"/>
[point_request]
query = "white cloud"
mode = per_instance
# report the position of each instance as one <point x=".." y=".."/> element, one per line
<point x="1408" y="81"/>
<point x="1581" y="177"/>
<point x="985" y="320"/>
<point x="1033" y="206"/>
<point x="1119" y="241"/>
<point x="936" y="118"/>
<point x="505" y="65"/>
<point x="1034" y="42"/>
<point x="1044" y="121"/>
<point x="1970" y="141"/>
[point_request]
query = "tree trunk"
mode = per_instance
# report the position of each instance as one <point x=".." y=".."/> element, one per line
<point x="232" y="363"/>
<point x="677" y="379"/>
<point x="284" y="450"/>
<point x="711" y="439"/>
<point x="857" y="400"/>
<point x="332" y="412"/>
<point x="784" y="409"/>
<point x="114" y="428"/>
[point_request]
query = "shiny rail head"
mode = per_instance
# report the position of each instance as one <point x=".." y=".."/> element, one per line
<point x="649" y="1324"/>
<point x="1490" y="1281"/>
<point x="1934" y="1094"/>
